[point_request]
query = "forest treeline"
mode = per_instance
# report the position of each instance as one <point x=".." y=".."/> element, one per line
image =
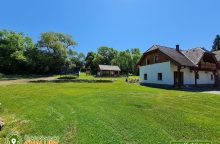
<point x="54" y="53"/>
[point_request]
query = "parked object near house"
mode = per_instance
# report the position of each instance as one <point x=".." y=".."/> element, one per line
<point x="162" y="65"/>
<point x="108" y="70"/>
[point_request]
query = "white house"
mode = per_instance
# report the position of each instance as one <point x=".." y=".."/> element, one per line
<point x="162" y="65"/>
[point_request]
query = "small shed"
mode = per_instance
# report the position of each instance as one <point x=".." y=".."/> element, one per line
<point x="108" y="70"/>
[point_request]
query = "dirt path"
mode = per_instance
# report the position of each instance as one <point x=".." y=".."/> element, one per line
<point x="23" y="80"/>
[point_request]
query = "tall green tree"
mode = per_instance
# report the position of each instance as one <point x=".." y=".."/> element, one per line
<point x="107" y="54"/>
<point x="136" y="55"/>
<point x="123" y="60"/>
<point x="127" y="60"/>
<point x="99" y="59"/>
<point x="12" y="48"/>
<point x="53" y="50"/>
<point x="76" y="59"/>
<point x="89" y="61"/>
<point x="216" y="43"/>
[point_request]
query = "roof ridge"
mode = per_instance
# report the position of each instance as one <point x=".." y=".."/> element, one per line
<point x="188" y="58"/>
<point x="202" y="48"/>
<point x="164" y="46"/>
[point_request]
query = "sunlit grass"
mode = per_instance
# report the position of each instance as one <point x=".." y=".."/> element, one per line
<point x="109" y="112"/>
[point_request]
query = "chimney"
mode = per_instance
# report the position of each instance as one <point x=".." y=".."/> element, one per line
<point x="178" y="48"/>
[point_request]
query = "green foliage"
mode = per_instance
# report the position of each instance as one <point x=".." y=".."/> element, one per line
<point x="51" y="53"/>
<point x="12" y="47"/>
<point x="216" y="43"/>
<point x="1" y="75"/>
<point x="56" y="44"/>
<point x="76" y="59"/>
<point x="99" y="59"/>
<point x="127" y="60"/>
<point x="54" y="53"/>
<point x="105" y="55"/>
<point x="18" y="56"/>
<point x="89" y="61"/>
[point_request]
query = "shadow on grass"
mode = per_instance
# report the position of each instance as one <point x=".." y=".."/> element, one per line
<point x="8" y="79"/>
<point x="187" y="89"/>
<point x="16" y="77"/>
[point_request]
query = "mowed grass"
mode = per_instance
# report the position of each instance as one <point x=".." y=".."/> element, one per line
<point x="109" y="113"/>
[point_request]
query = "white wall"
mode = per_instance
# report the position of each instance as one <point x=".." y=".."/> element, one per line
<point x="167" y="69"/>
<point x="153" y="70"/>
<point x="205" y="78"/>
<point x="189" y="76"/>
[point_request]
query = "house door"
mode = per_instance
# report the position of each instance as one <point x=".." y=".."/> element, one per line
<point x="176" y="78"/>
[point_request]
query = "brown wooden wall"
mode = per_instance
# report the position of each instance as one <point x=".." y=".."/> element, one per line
<point x="150" y="56"/>
<point x="208" y="62"/>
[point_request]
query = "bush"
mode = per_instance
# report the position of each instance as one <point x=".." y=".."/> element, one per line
<point x="1" y="75"/>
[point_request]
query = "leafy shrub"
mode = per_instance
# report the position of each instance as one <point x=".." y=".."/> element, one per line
<point x="1" y="75"/>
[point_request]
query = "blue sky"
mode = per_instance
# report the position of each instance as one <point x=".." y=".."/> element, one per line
<point x="120" y="24"/>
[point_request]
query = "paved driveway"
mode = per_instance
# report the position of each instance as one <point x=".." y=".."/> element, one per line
<point x="212" y="92"/>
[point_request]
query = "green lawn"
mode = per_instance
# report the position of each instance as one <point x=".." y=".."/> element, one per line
<point x="109" y="113"/>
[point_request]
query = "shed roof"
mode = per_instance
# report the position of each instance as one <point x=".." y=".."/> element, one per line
<point x="109" y="67"/>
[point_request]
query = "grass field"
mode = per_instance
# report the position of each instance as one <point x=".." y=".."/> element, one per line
<point x="109" y="113"/>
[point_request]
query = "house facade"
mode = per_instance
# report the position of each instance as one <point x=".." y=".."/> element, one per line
<point x="161" y="65"/>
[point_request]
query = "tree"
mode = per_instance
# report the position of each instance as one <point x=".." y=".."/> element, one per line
<point x="98" y="59"/>
<point x="136" y="55"/>
<point x="89" y="61"/>
<point x="53" y="50"/>
<point x="216" y="43"/>
<point x="76" y="59"/>
<point x="56" y="43"/>
<point x="81" y="59"/>
<point x="103" y="56"/>
<point x="107" y="54"/>
<point x="127" y="60"/>
<point x="12" y="47"/>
